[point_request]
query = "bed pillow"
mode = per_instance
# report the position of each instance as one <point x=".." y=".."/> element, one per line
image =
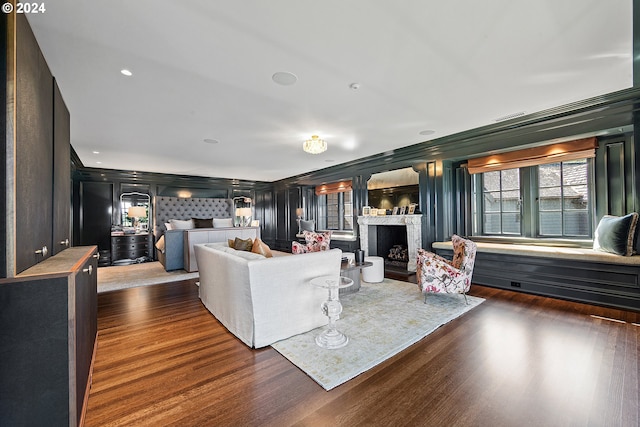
<point x="242" y="244"/>
<point x="168" y="226"/>
<point x="203" y="222"/>
<point x="307" y="225"/>
<point x="615" y="234"/>
<point x="222" y="222"/>
<point x="160" y="244"/>
<point x="259" y="247"/>
<point x="179" y="224"/>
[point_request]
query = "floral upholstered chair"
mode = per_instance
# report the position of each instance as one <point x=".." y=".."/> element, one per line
<point x="437" y="274"/>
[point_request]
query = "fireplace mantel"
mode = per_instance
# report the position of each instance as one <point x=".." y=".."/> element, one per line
<point x="413" y="224"/>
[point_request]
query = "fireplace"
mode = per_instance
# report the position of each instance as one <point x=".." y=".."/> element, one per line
<point x="391" y="244"/>
<point x="379" y="235"/>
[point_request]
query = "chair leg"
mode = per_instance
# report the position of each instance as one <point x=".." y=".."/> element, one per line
<point x="465" y="298"/>
<point x="425" y="297"/>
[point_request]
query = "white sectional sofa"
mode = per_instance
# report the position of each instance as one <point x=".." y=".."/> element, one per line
<point x="263" y="300"/>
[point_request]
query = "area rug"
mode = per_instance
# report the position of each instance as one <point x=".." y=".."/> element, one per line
<point x="129" y="276"/>
<point x="380" y="320"/>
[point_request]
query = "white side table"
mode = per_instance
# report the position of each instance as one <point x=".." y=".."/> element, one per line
<point x="332" y="338"/>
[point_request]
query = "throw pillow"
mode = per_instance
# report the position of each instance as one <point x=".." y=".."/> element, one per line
<point x="615" y="234"/>
<point x="298" y="248"/>
<point x="222" y="222"/>
<point x="203" y="222"/>
<point x="259" y="247"/>
<point x="317" y="241"/>
<point x="160" y="244"/>
<point x="179" y="224"/>
<point x="168" y="226"/>
<point x="231" y="243"/>
<point x="242" y="245"/>
<point x="458" y="251"/>
<point x="307" y="225"/>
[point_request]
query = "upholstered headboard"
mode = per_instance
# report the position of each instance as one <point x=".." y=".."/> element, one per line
<point x="167" y="208"/>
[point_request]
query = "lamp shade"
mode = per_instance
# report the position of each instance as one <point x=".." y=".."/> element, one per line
<point x="137" y="212"/>
<point x="299" y="212"/>
<point x="243" y="212"/>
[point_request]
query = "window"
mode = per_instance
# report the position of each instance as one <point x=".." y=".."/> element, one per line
<point x="339" y="211"/>
<point x="551" y="200"/>
<point x="563" y="199"/>
<point x="501" y="202"/>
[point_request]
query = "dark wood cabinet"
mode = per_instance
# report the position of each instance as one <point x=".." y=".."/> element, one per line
<point x="36" y="162"/>
<point x="61" y="173"/>
<point x="96" y="204"/>
<point x="47" y="347"/>
<point x="33" y="150"/>
<point x="131" y="246"/>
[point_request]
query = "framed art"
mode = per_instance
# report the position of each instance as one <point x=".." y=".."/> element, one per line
<point x="412" y="209"/>
<point x="395" y="210"/>
<point x="374" y="212"/>
<point x="403" y="210"/>
<point x="382" y="212"/>
<point x="366" y="210"/>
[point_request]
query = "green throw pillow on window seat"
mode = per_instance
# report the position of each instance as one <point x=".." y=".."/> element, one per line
<point x="616" y="234"/>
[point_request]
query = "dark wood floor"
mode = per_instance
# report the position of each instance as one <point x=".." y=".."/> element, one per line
<point x="515" y="360"/>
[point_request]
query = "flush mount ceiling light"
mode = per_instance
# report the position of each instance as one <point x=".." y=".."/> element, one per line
<point x="126" y="72"/>
<point x="315" y="145"/>
<point x="284" y="78"/>
<point x="211" y="141"/>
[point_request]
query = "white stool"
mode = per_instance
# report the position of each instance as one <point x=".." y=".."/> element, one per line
<point x="374" y="273"/>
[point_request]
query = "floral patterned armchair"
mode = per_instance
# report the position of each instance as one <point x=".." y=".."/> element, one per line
<point x="437" y="274"/>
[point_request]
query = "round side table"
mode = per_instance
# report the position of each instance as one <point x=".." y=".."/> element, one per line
<point x="332" y="338"/>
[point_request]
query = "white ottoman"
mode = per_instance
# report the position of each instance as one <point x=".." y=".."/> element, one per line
<point x="374" y="273"/>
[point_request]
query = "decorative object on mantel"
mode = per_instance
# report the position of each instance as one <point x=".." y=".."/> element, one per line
<point x="366" y="210"/>
<point x="381" y="320"/>
<point x="315" y="145"/>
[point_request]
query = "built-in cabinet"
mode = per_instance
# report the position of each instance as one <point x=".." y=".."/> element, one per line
<point x="37" y="176"/>
<point x="47" y="344"/>
<point x="96" y="206"/>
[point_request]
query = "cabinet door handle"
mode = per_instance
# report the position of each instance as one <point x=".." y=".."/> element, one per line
<point x="64" y="242"/>
<point x="88" y="270"/>
<point x="44" y="251"/>
<point x="96" y="256"/>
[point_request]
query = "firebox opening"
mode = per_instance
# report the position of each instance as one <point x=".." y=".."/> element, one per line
<point x="392" y="246"/>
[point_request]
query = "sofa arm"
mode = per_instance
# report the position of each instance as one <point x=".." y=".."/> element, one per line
<point x="174" y="250"/>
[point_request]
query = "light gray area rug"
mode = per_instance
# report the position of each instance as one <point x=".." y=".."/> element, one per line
<point x="129" y="276"/>
<point x="380" y="320"/>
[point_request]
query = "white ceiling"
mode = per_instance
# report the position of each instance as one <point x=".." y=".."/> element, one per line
<point x="202" y="69"/>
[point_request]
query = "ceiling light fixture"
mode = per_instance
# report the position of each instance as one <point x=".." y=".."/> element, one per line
<point x="284" y="78"/>
<point x="315" y="145"/>
<point x="427" y="132"/>
<point x="211" y="141"/>
<point x="126" y="72"/>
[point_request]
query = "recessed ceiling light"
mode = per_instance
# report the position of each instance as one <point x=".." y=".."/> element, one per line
<point x="284" y="78"/>
<point x="98" y="163"/>
<point x="329" y="160"/>
<point x="354" y="86"/>
<point x="126" y="72"/>
<point x="427" y="132"/>
<point x="211" y="141"/>
<point x="95" y="152"/>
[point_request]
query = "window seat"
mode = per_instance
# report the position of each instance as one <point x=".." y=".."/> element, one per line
<point x="578" y="254"/>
